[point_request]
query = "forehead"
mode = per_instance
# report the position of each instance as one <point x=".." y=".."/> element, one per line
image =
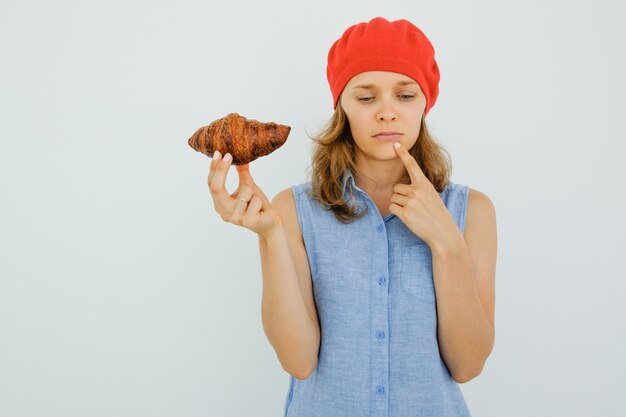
<point x="371" y="79"/>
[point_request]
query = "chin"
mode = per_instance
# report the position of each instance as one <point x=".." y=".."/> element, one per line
<point x="388" y="155"/>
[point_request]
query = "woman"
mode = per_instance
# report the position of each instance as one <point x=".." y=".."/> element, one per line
<point x="379" y="273"/>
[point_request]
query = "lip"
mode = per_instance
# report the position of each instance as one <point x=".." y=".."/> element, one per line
<point x="387" y="135"/>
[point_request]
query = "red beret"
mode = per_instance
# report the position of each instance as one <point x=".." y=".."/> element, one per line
<point x="381" y="45"/>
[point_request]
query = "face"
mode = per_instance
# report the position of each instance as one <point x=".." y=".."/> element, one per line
<point x="378" y="102"/>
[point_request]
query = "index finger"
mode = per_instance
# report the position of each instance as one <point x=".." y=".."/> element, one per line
<point x="217" y="181"/>
<point x="415" y="172"/>
<point x="215" y="159"/>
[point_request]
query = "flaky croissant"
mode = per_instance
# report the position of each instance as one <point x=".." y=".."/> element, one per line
<point x="245" y="139"/>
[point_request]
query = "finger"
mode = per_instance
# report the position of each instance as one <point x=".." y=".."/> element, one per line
<point x="403" y="189"/>
<point x="399" y="199"/>
<point x="265" y="202"/>
<point x="253" y="214"/>
<point x="241" y="205"/>
<point x="217" y="156"/>
<point x="396" y="209"/>
<point x="244" y="174"/>
<point x="414" y="170"/>
<point x="217" y="185"/>
<point x="245" y="178"/>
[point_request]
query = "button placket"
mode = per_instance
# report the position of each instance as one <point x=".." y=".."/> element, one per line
<point x="380" y="317"/>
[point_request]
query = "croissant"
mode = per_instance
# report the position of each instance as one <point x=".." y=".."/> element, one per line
<point x="245" y="139"/>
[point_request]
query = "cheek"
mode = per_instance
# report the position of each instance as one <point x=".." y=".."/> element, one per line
<point x="361" y="130"/>
<point x="352" y="120"/>
<point x="362" y="118"/>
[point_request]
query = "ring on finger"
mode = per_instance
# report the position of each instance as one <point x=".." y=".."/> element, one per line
<point x="242" y="199"/>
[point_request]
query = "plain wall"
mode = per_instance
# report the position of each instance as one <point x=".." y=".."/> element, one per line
<point x="123" y="293"/>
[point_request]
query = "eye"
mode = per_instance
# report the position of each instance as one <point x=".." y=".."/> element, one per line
<point x="365" y="99"/>
<point x="407" y="96"/>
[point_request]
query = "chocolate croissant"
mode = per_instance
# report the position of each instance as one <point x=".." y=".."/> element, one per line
<point x="245" y="139"/>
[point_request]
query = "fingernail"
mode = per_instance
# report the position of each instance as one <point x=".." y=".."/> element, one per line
<point x="396" y="144"/>
<point x="227" y="157"/>
<point x="216" y="155"/>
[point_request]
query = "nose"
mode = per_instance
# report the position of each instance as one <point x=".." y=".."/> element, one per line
<point x="386" y="112"/>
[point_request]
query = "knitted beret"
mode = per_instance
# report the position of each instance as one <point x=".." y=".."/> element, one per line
<point x="381" y="45"/>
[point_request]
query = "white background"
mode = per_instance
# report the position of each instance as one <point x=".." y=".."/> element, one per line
<point x="123" y="293"/>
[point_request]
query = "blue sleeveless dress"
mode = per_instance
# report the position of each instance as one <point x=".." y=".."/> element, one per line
<point x="374" y="293"/>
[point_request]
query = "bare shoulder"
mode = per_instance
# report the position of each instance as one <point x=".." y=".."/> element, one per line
<point x="480" y="209"/>
<point x="480" y="223"/>
<point x="285" y="204"/>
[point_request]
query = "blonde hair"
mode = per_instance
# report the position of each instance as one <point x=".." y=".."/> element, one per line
<point x="333" y="152"/>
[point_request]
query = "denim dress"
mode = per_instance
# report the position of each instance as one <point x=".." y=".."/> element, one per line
<point x="373" y="288"/>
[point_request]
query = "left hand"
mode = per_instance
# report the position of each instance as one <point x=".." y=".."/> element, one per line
<point x="418" y="204"/>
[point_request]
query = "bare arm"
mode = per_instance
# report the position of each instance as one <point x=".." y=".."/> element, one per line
<point x="288" y="309"/>
<point x="464" y="274"/>
<point x="463" y="267"/>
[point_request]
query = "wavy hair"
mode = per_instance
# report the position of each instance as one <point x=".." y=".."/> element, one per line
<point x="333" y="152"/>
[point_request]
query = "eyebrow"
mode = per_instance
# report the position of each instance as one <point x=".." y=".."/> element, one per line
<point x="407" y="82"/>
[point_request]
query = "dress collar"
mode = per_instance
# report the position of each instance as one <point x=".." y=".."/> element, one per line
<point x="347" y="178"/>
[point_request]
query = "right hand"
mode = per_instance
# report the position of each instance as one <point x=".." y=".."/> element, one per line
<point x="257" y="215"/>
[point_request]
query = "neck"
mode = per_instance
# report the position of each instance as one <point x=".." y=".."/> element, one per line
<point x="379" y="177"/>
